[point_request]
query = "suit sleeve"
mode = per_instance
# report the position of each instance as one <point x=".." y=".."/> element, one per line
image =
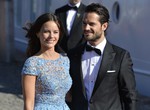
<point x="127" y="85"/>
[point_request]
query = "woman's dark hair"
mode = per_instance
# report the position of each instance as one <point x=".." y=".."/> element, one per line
<point x="33" y="28"/>
<point x="100" y="10"/>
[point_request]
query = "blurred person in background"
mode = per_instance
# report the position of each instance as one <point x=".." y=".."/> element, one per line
<point x="71" y="16"/>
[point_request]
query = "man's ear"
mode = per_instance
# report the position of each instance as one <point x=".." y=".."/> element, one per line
<point x="104" y="26"/>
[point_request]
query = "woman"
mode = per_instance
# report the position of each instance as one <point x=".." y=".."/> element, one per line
<point x="45" y="74"/>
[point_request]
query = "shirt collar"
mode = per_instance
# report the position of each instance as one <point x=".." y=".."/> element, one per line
<point x="100" y="46"/>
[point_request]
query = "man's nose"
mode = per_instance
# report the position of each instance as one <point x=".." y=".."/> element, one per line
<point x="86" y="27"/>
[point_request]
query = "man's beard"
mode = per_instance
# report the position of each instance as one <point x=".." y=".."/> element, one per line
<point x="94" y="38"/>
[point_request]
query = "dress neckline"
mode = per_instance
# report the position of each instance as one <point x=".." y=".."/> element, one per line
<point x="48" y="59"/>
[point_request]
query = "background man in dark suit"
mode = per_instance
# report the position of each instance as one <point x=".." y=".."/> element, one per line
<point x="71" y="17"/>
<point x="103" y="78"/>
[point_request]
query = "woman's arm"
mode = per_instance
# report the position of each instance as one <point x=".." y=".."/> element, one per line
<point x="28" y="87"/>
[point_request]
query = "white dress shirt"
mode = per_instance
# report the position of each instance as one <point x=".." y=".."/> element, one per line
<point x="71" y="16"/>
<point x="90" y="66"/>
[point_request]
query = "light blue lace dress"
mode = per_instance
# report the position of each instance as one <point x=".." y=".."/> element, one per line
<point x="53" y="81"/>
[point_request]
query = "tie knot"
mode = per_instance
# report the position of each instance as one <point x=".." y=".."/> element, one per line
<point x="72" y="7"/>
<point x="89" y="48"/>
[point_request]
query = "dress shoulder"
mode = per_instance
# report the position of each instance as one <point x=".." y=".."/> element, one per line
<point x="30" y="66"/>
<point x="65" y="58"/>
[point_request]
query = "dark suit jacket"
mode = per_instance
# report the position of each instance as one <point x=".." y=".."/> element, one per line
<point x="75" y="38"/>
<point x="112" y="90"/>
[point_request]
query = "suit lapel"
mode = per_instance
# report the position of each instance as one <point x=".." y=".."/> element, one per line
<point x="82" y="81"/>
<point x="64" y="22"/>
<point x="107" y="60"/>
<point x="78" y="54"/>
<point x="78" y="17"/>
<point x="63" y="17"/>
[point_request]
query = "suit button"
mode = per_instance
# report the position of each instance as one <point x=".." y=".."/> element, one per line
<point x="91" y="101"/>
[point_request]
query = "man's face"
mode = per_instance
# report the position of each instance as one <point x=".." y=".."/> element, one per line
<point x="74" y="2"/>
<point x="92" y="28"/>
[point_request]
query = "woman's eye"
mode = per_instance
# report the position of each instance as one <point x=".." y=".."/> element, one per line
<point x="56" y="32"/>
<point x="45" y="31"/>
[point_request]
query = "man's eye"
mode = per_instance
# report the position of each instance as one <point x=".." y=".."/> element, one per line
<point x="91" y="24"/>
<point x="84" y="23"/>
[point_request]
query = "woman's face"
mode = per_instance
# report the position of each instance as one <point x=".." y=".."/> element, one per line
<point x="48" y="35"/>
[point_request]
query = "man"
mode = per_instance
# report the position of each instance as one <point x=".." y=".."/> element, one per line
<point x="103" y="78"/>
<point x="71" y="17"/>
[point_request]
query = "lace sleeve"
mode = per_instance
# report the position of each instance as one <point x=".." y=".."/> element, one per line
<point x="30" y="67"/>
